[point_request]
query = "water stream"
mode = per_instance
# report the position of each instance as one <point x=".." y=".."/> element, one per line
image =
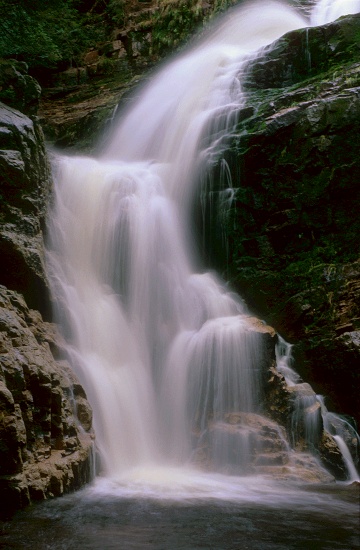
<point x="160" y="348"/>
<point x="165" y="352"/>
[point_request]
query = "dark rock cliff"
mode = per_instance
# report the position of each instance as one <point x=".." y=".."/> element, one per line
<point x="44" y="449"/>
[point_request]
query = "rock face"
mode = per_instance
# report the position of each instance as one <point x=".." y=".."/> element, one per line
<point x="45" y="420"/>
<point x="25" y="187"/>
<point x="44" y="450"/>
<point x="292" y="228"/>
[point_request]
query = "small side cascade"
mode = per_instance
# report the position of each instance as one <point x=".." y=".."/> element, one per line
<point x="216" y="200"/>
<point x="226" y="199"/>
<point x="345" y="436"/>
<point x="310" y="416"/>
<point x="307" y="49"/>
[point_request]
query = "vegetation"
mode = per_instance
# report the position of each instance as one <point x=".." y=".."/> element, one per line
<point x="54" y="34"/>
<point x="48" y="33"/>
<point x="173" y="24"/>
<point x="175" y="20"/>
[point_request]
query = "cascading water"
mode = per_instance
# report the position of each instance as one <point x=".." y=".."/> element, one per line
<point x="160" y="349"/>
<point x="326" y="11"/>
<point x="310" y="414"/>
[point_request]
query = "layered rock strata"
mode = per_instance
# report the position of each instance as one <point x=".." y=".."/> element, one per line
<point x="45" y="450"/>
<point x="46" y="438"/>
<point x="25" y="188"/>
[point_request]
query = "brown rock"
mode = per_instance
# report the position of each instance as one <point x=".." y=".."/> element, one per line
<point x="84" y="413"/>
<point x="42" y="452"/>
<point x="248" y="443"/>
<point x="331" y="456"/>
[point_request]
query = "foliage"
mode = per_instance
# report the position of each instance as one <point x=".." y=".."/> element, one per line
<point x="55" y="33"/>
<point x="45" y="33"/>
<point x="116" y="12"/>
<point x="173" y="23"/>
<point x="222" y="5"/>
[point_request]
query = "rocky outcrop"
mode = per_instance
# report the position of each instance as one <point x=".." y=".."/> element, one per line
<point x="77" y="117"/>
<point x="46" y="438"/>
<point x="45" y="450"/>
<point x="25" y="188"/>
<point x="248" y="443"/>
<point x="292" y="228"/>
<point x="18" y="89"/>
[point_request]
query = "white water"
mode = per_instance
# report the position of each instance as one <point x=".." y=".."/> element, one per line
<point x="326" y="11"/>
<point x="159" y="348"/>
<point x="310" y="414"/>
<point x="353" y="474"/>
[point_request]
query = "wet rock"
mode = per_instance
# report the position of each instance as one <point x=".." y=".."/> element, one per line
<point x="248" y="443"/>
<point x="25" y="188"/>
<point x="331" y="457"/>
<point x="84" y="412"/>
<point x="240" y="442"/>
<point x="44" y="451"/>
<point x="306" y="52"/>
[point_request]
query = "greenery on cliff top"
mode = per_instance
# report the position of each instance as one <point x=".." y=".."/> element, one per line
<point x="46" y="33"/>
<point x="56" y="33"/>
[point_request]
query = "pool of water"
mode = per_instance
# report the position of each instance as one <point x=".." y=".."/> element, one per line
<point x="233" y="513"/>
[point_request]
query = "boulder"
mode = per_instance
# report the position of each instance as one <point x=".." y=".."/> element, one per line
<point x="331" y="456"/>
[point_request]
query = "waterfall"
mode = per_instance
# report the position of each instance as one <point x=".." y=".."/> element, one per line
<point x="326" y="11"/>
<point x="344" y="434"/>
<point x="161" y="348"/>
<point x="310" y="414"/>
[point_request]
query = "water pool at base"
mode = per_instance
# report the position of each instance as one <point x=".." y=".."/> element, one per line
<point x="194" y="512"/>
